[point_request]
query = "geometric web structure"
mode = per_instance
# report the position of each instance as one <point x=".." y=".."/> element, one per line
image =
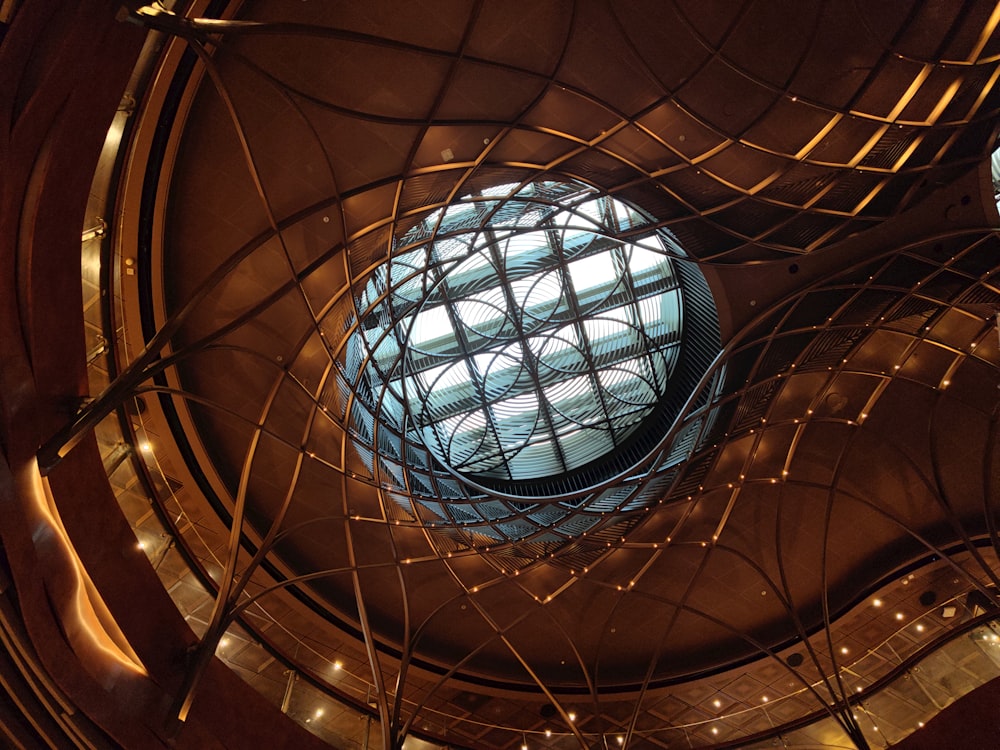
<point x="516" y="336"/>
<point x="376" y="385"/>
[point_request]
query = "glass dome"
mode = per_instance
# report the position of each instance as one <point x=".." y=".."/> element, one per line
<point x="517" y="332"/>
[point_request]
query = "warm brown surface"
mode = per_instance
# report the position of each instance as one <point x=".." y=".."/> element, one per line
<point x="971" y="723"/>
<point x="720" y="125"/>
<point x="826" y="166"/>
<point x="71" y="67"/>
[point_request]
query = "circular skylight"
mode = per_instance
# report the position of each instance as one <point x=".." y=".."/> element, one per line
<point x="518" y="336"/>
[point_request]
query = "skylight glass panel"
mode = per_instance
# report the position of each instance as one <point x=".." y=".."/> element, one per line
<point x="524" y="246"/>
<point x="592" y="272"/>
<point x="522" y="348"/>
<point x="554" y="348"/>
<point x="662" y="312"/>
<point x="592" y="209"/>
<point x="572" y="396"/>
<point x="500" y="190"/>
<point x="640" y="259"/>
<point x="484" y="316"/>
<point x="430" y="324"/>
<point x="453" y="248"/>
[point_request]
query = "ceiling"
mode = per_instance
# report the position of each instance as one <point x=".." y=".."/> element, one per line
<point x="822" y="166"/>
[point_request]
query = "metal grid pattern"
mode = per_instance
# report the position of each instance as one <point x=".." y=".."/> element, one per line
<point x="757" y="516"/>
<point x="525" y="342"/>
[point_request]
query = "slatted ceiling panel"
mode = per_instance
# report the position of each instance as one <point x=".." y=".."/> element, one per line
<point x="495" y="509"/>
<point x="911" y="315"/>
<point x="406" y="225"/>
<point x="982" y="295"/>
<point x="449" y="540"/>
<point x="612" y="498"/>
<point x="754" y="217"/>
<point x="361" y="423"/>
<point x="653" y="200"/>
<point x="506" y="213"/>
<point x="368" y="249"/>
<point x="429" y="511"/>
<point x="743" y="167"/>
<point x="975" y="81"/>
<point x="753" y="405"/>
<point x="417" y="458"/>
<point x="336" y="323"/>
<point x="867" y="307"/>
<point x="514" y="530"/>
<point x="799" y="184"/>
<point x="457" y="219"/>
<point x="333" y="398"/>
<point x="927" y="99"/>
<point x="815" y="308"/>
<point x="384" y="348"/>
<point x="636" y="146"/>
<point x="391" y="474"/>
<point x="360" y="460"/>
<point x="685" y="441"/>
<point x="611" y="533"/>
<point x="851" y="228"/>
<point x="481" y="181"/>
<point x="890" y="147"/>
<point x="830" y="347"/>
<point x="421" y="486"/>
<point x="699" y="192"/>
<point x="701" y="238"/>
<point x="742" y="362"/>
<point x="389" y="445"/>
<point x="575" y="526"/>
<point x="448" y="489"/>
<point x="600" y="167"/>
<point x="804" y="231"/>
<point x="655" y="489"/>
<point x="601" y="504"/>
<point x="692" y="477"/>
<point x="578" y="556"/>
<point x="399" y="509"/>
<point x="842" y="143"/>
<point x="461" y="515"/>
<point x="929" y="149"/>
<point x="781" y="353"/>
<point x="848" y="191"/>
<point x="532" y="550"/>
<point x="513" y="558"/>
<point x="547" y="515"/>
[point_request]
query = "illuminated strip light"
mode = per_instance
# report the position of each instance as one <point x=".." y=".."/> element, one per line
<point x="87" y="607"/>
<point x="911" y="92"/>
<point x="944" y="101"/>
<point x="986" y="34"/>
<point x="820" y="135"/>
<point x="868" y="198"/>
<point x="725" y="516"/>
<point x="866" y="149"/>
